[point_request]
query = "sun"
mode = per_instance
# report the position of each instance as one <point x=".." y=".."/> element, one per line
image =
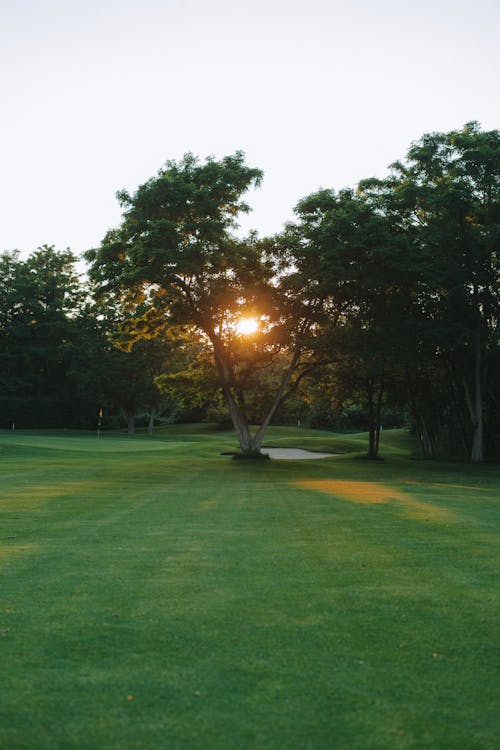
<point x="247" y="326"/>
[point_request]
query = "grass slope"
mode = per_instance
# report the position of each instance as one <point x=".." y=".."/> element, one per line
<point x="155" y="594"/>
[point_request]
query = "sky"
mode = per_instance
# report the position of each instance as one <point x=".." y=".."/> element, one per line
<point x="96" y="95"/>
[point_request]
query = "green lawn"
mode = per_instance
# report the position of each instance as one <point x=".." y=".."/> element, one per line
<point x="156" y="595"/>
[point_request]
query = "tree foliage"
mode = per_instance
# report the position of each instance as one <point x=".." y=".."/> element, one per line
<point x="447" y="194"/>
<point x="375" y="298"/>
<point x="175" y="252"/>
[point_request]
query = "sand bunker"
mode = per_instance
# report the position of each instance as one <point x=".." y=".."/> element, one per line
<point x="294" y="453"/>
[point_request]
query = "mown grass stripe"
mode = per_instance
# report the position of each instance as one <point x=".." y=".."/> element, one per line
<point x="176" y="598"/>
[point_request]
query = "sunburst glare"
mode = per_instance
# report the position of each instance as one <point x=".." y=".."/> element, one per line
<point x="247" y="326"/>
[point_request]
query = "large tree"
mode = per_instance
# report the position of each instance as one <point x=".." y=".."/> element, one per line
<point x="357" y="268"/>
<point x="447" y="194"/>
<point x="175" y="253"/>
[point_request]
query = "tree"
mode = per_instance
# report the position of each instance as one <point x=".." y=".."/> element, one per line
<point x="358" y="270"/>
<point x="136" y="364"/>
<point x="175" y="252"/>
<point x="447" y="194"/>
<point x="41" y="296"/>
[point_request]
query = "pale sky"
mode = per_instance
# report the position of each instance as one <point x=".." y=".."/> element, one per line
<point x="96" y="95"/>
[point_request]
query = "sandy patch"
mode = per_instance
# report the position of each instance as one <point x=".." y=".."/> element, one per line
<point x="294" y="453"/>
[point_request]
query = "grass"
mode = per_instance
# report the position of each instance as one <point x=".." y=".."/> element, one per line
<point x="155" y="594"/>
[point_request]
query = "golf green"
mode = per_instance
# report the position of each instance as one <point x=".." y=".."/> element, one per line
<point x="155" y="594"/>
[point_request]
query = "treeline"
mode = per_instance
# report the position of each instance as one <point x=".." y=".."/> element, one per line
<point x="377" y="305"/>
<point x="60" y="356"/>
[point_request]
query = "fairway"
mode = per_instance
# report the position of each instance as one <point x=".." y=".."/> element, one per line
<point x="157" y="595"/>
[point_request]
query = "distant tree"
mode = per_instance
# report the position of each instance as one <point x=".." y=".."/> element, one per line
<point x="136" y="365"/>
<point x="191" y="381"/>
<point x="86" y="373"/>
<point x="41" y="296"/>
<point x="12" y="319"/>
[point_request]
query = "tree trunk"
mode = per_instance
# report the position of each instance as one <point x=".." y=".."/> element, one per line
<point x="478" y="437"/>
<point x="238" y="418"/>
<point x="278" y="399"/>
<point x="380" y="396"/>
<point x="242" y="428"/>
<point x="475" y="405"/>
<point x="248" y="444"/>
<point x="151" y="422"/>
<point x="372" y="421"/>
<point x="131" y="424"/>
<point x="426" y="444"/>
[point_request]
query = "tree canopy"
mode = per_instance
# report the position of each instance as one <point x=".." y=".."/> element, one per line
<point x="176" y="252"/>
